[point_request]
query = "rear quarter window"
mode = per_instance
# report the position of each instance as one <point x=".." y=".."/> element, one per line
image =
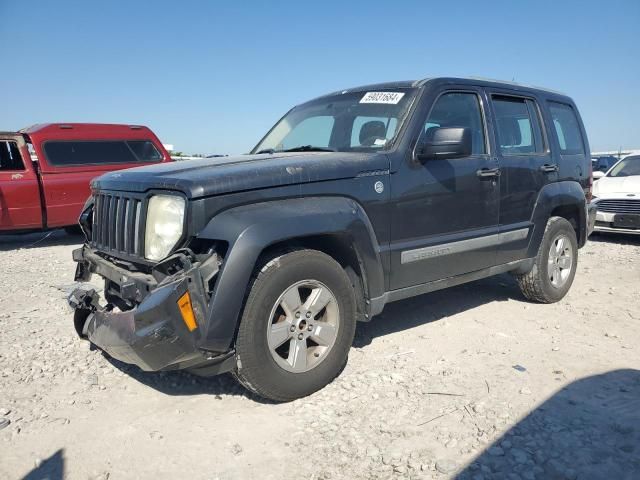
<point x="100" y="152"/>
<point x="567" y="129"/>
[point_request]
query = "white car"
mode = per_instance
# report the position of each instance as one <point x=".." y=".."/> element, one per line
<point x="616" y="196"/>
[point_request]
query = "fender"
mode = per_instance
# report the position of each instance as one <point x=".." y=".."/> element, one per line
<point x="552" y="196"/>
<point x="249" y="229"/>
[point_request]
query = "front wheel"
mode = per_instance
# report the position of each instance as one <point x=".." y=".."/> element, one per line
<point x="297" y="326"/>
<point x="555" y="264"/>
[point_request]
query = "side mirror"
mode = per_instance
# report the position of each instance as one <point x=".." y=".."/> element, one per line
<point x="444" y="143"/>
<point x="597" y="175"/>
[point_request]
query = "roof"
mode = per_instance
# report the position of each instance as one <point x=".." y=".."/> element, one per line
<point x="84" y="131"/>
<point x="513" y="84"/>
<point x="81" y="127"/>
<point x="460" y="80"/>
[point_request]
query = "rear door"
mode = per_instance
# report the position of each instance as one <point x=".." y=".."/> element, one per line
<point x="20" y="206"/>
<point x="69" y="165"/>
<point x="526" y="164"/>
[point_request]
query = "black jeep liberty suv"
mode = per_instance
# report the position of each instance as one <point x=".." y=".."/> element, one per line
<point x="261" y="264"/>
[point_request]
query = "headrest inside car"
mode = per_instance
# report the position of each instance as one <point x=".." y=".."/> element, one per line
<point x="371" y="131"/>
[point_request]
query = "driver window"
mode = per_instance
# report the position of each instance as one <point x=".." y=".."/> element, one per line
<point x="458" y="110"/>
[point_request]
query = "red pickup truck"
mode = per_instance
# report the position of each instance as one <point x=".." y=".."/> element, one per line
<point x="45" y="170"/>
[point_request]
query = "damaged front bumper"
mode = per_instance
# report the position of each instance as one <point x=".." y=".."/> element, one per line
<point x="142" y="323"/>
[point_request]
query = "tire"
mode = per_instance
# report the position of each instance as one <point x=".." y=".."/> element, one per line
<point x="280" y="374"/>
<point x="548" y="281"/>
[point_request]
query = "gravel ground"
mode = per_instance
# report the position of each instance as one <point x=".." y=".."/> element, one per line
<point x="471" y="382"/>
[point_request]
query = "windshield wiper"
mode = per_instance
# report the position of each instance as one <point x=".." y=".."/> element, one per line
<point x="309" y="148"/>
<point x="301" y="148"/>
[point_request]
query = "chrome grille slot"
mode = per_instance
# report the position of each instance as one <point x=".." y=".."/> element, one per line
<point x="116" y="224"/>
<point x="619" y="206"/>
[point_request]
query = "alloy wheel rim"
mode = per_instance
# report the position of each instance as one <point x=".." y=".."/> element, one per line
<point x="303" y="326"/>
<point x="560" y="261"/>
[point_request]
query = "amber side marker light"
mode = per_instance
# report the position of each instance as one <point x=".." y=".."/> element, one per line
<point x="189" y="319"/>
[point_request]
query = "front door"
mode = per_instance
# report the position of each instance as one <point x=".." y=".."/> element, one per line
<point x="20" y="206"/>
<point x="445" y="215"/>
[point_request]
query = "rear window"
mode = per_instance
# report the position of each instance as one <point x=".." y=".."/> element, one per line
<point x="100" y="152"/>
<point x="567" y="129"/>
<point x="10" y="158"/>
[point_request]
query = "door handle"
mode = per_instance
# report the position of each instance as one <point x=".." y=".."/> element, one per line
<point x="546" y="168"/>
<point x="488" y="172"/>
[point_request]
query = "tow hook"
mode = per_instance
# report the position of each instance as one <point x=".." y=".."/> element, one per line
<point x="84" y="304"/>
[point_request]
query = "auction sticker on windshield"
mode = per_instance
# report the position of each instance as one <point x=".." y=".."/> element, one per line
<point x="382" y="97"/>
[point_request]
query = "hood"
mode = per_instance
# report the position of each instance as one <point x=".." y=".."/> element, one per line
<point x="214" y="176"/>
<point x="611" y="185"/>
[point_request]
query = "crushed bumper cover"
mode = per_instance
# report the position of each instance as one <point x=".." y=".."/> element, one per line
<point x="152" y="334"/>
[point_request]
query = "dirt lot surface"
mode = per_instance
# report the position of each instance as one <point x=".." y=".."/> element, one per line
<point x="471" y="382"/>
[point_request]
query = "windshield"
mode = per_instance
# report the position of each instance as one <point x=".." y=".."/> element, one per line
<point x="626" y="168"/>
<point x="347" y="122"/>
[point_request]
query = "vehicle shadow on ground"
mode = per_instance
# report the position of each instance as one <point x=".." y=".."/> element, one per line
<point x="588" y="430"/>
<point x="396" y="317"/>
<point x="51" y="468"/>
<point x="52" y="238"/>
<point x="618" y="238"/>
<point x="183" y="383"/>
<point x="438" y="305"/>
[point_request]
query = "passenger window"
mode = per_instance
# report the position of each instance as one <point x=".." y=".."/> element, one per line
<point x="10" y="158"/>
<point x="458" y="110"/>
<point x="315" y="131"/>
<point x="372" y="131"/>
<point x="517" y="125"/>
<point x="567" y="129"/>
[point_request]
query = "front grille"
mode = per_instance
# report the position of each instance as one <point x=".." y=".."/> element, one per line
<point x="619" y="206"/>
<point x="117" y="224"/>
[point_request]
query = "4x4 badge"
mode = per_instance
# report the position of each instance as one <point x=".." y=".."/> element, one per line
<point x="378" y="187"/>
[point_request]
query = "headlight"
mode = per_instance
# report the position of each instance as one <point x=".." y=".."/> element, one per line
<point x="165" y="218"/>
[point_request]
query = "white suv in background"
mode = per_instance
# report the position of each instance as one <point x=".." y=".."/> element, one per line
<point x="616" y="196"/>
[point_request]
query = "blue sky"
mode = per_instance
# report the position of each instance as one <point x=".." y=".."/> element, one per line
<point x="212" y="77"/>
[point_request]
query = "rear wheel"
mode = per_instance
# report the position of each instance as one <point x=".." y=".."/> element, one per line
<point x="297" y="326"/>
<point x="555" y="264"/>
